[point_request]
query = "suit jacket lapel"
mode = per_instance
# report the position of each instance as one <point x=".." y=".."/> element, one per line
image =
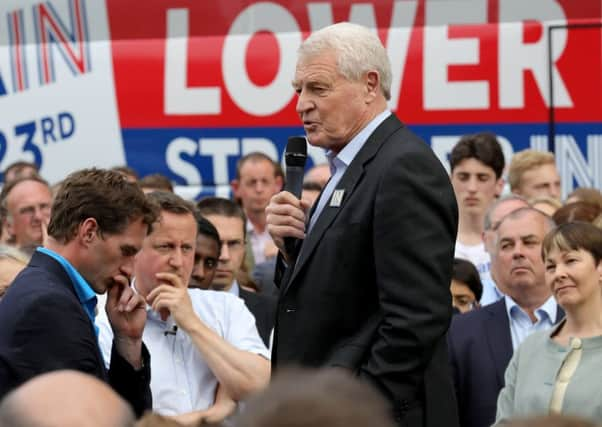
<point x="559" y="314"/>
<point x="498" y="337"/>
<point x="348" y="182"/>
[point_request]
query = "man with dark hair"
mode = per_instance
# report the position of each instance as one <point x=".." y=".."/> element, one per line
<point x="25" y="204"/>
<point x="19" y="169"/>
<point x="196" y="338"/>
<point x="40" y="402"/>
<point x="206" y="254"/>
<point x="477" y="164"/>
<point x="96" y="228"/>
<point x="257" y="180"/>
<point x="229" y="220"/>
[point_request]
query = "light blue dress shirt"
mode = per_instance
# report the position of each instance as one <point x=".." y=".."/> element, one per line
<point x="521" y="325"/>
<point x="340" y="162"/>
<point x="491" y="293"/>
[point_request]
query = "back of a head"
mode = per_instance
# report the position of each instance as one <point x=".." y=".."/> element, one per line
<point x="41" y="402"/>
<point x="357" y="49"/>
<point x="316" y="398"/>
<point x="577" y="211"/>
<point x="129" y="173"/>
<point x="584" y="194"/>
<point x="103" y="195"/>
<point x="155" y="182"/>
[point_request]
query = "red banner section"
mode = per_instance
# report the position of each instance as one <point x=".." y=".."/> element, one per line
<point x="205" y="64"/>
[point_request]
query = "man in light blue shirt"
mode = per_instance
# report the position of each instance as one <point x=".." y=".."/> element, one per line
<point x="494" y="215"/>
<point x="481" y="342"/>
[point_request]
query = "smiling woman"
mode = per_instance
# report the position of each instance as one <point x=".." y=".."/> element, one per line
<point x="558" y="372"/>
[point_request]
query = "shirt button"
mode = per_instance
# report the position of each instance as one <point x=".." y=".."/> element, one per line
<point x="576" y="343"/>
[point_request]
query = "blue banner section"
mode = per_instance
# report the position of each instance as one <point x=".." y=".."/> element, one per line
<point x="206" y="158"/>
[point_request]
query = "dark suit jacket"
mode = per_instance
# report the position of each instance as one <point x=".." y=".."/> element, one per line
<point x="263" y="276"/>
<point x="263" y="308"/>
<point x="45" y="328"/>
<point x="480" y="348"/>
<point x="370" y="288"/>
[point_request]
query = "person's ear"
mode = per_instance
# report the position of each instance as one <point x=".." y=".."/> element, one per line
<point x="372" y="85"/>
<point x="88" y="231"/>
<point x="499" y="187"/>
<point x="235" y="185"/>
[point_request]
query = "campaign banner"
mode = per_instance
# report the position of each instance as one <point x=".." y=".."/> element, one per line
<point x="57" y="97"/>
<point x="218" y="76"/>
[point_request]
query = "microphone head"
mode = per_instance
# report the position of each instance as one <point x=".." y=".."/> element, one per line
<point x="296" y="151"/>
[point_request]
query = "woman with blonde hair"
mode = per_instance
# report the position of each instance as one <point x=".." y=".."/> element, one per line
<point x="558" y="372"/>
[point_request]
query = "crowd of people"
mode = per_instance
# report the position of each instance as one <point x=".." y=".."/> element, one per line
<point x="410" y="296"/>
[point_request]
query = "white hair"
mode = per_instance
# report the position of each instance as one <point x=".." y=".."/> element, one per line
<point x="357" y="51"/>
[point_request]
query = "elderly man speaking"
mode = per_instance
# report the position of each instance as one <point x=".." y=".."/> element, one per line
<point x="367" y="289"/>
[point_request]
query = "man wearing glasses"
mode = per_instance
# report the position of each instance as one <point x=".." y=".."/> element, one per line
<point x="26" y="210"/>
<point x="229" y="220"/>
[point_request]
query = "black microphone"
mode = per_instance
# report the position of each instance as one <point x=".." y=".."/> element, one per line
<point x="295" y="157"/>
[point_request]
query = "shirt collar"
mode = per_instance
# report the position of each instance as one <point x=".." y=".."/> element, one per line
<point x="234" y="289"/>
<point x="349" y="151"/>
<point x="549" y="308"/>
<point x="85" y="293"/>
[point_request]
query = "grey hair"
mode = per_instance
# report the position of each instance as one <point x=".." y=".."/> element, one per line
<point x="487" y="225"/>
<point x="357" y="51"/>
<point x="520" y="212"/>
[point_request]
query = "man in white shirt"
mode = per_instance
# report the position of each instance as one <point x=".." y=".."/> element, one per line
<point x="197" y="339"/>
<point x="477" y="163"/>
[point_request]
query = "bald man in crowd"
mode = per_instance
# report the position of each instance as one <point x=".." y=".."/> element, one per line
<point x="41" y="402"/>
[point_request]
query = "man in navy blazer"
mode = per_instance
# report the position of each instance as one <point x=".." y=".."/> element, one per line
<point x="481" y="342"/>
<point x="368" y="289"/>
<point x="97" y="226"/>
